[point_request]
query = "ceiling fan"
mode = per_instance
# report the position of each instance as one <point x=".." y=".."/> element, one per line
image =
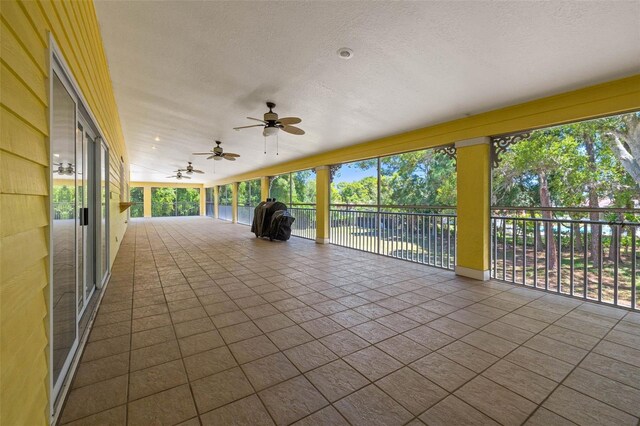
<point x="272" y="124"/>
<point x="179" y="176"/>
<point x="62" y="170"/>
<point x="217" y="153"/>
<point x="190" y="169"/>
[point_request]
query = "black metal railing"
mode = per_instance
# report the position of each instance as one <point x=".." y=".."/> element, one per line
<point x="304" y="225"/>
<point x="568" y="252"/>
<point x="421" y="234"/>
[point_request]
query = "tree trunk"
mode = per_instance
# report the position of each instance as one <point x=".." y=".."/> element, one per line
<point x="545" y="201"/>
<point x="594" y="202"/>
<point x="577" y="238"/>
<point x="614" y="246"/>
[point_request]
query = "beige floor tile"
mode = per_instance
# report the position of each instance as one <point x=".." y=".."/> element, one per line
<point x="496" y="401"/>
<point x="428" y="337"/>
<point x="489" y="343"/>
<point x="238" y="332"/>
<point x="508" y="332"/>
<point x="188" y="314"/>
<point x="153" y="321"/>
<point x="412" y="390"/>
<point x="106" y="347"/>
<point x="200" y="342"/>
<point x="109" y="331"/>
<point x="398" y="323"/>
<point x="325" y="417"/>
<point x="442" y="371"/>
<point x="403" y="349"/>
<point x="373" y="332"/>
<point x="321" y="327"/>
<point x="619" y="352"/>
<point x="372" y="363"/>
<point x="154" y="355"/>
<point x="292" y="400"/>
<point x="526" y="383"/>
<point x="95" y="398"/>
<point x="248" y="411"/>
<point x="189" y="328"/>
<point x="251" y="349"/>
<point x="101" y="369"/>
<point x="544" y="417"/>
<point x="344" y="342"/>
<point x="349" y="318"/>
<point x="229" y="318"/>
<point x="622" y="397"/>
<point x="270" y="370"/>
<point x="152" y="337"/>
<point x="336" y="380"/>
<point x="582" y="409"/>
<point x="219" y="389"/>
<point x="309" y="355"/>
<point x="286" y="338"/>
<point x="114" y="416"/>
<point x="273" y="322"/>
<point x="528" y="324"/>
<point x="169" y="407"/>
<point x="613" y="369"/>
<point x="451" y="327"/>
<point x="452" y="411"/>
<point x="372" y="407"/>
<point x="156" y="379"/>
<point x="209" y="362"/>
<point x="540" y="363"/>
<point x="469" y="356"/>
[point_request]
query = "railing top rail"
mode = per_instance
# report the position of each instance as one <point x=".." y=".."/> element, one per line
<point x="383" y="212"/>
<point x="394" y="206"/>
<point x="581" y="222"/>
<point x="303" y="204"/>
<point x="569" y="209"/>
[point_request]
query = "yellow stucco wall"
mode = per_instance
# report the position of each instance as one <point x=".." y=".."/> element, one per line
<point x="24" y="183"/>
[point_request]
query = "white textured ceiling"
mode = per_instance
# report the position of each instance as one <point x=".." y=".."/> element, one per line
<point x="188" y="72"/>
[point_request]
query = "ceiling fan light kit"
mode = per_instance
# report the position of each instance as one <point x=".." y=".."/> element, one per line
<point x="272" y="125"/>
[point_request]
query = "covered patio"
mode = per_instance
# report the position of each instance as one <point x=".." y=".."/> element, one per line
<point x="203" y="323"/>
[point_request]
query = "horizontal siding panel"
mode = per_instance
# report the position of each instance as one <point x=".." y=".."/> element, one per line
<point x="16" y="58"/>
<point x="21" y="251"/>
<point x="22" y="140"/>
<point x="31" y="209"/>
<point x="14" y="16"/>
<point x="16" y="97"/>
<point x="20" y="176"/>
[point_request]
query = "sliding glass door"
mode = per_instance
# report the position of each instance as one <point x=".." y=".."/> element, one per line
<point x="79" y="223"/>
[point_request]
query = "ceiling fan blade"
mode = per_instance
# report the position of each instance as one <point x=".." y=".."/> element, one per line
<point x="231" y="154"/>
<point x="198" y="171"/>
<point x="257" y="119"/>
<point x="210" y="157"/>
<point x="246" y="127"/>
<point x="217" y="158"/>
<point x="293" y="130"/>
<point x="182" y="170"/>
<point x="229" y="158"/>
<point x="185" y="177"/>
<point x="171" y="177"/>
<point x="202" y="153"/>
<point x="287" y="121"/>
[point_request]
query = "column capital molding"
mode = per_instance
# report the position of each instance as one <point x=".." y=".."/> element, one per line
<point x="322" y="167"/>
<point x="484" y="140"/>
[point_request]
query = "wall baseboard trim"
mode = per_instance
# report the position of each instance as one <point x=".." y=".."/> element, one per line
<point x="323" y="240"/>
<point x="476" y="274"/>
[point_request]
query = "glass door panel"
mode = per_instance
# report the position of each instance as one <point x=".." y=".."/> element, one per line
<point x="65" y="216"/>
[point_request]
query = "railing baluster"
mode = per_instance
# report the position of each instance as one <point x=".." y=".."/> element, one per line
<point x="600" y="264"/>
<point x="514" y="244"/>
<point x="614" y="248"/>
<point x="585" y="278"/>
<point x="547" y="249"/>
<point x="559" y="261"/>
<point x="571" y="259"/>
<point x="524" y="252"/>
<point x="634" y="255"/>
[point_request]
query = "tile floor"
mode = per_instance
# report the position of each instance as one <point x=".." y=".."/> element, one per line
<point x="204" y="324"/>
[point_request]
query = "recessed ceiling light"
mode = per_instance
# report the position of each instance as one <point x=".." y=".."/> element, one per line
<point x="153" y="147"/>
<point x="345" y="53"/>
<point x="157" y="139"/>
<point x="56" y="155"/>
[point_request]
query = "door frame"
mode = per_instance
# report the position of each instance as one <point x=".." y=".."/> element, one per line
<point x="57" y="64"/>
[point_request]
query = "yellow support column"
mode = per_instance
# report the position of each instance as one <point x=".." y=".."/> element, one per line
<point x="147" y="201"/>
<point x="234" y="202"/>
<point x="322" y="204"/>
<point x="216" y="193"/>
<point x="203" y="200"/>
<point x="264" y="187"/>
<point x="474" y="192"/>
